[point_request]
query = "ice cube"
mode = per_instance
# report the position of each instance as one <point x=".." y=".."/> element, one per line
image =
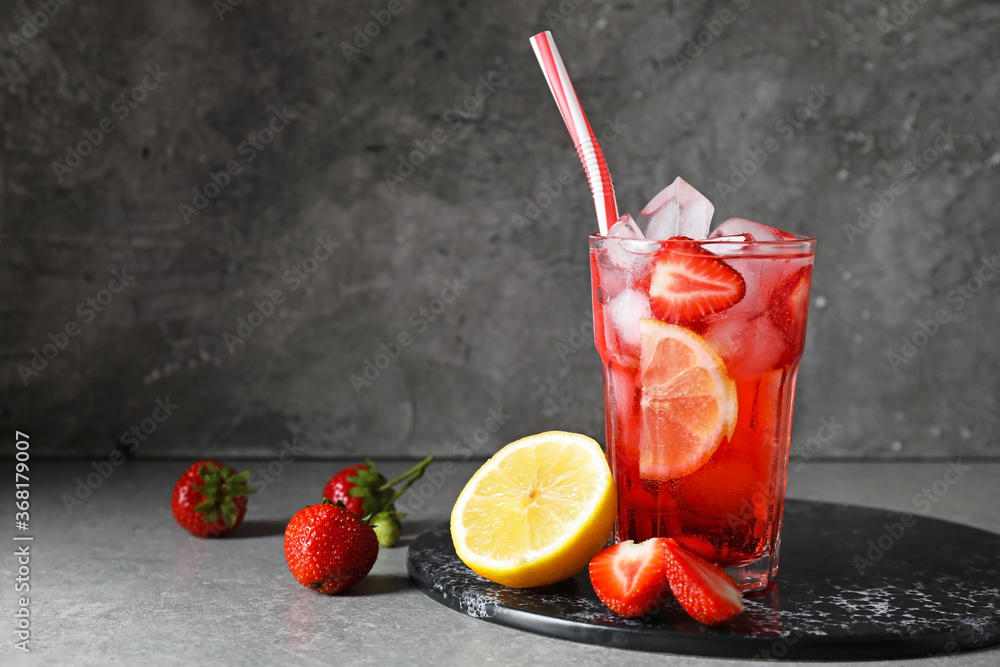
<point x="728" y="245"/>
<point x="623" y="314"/>
<point x="624" y="385"/>
<point x="754" y="301"/>
<point x="755" y="230"/>
<point x="664" y="221"/>
<point x="632" y="258"/>
<point x="760" y="273"/>
<point x="611" y="277"/>
<point x="625" y="228"/>
<point x="750" y="348"/>
<point x="678" y="210"/>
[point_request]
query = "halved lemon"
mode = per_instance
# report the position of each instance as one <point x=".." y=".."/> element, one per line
<point x="688" y="401"/>
<point x="537" y="511"/>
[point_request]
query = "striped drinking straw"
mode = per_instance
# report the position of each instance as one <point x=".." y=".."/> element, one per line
<point x="579" y="129"/>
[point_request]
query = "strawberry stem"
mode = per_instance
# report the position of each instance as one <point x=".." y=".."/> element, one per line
<point x="414" y="474"/>
<point x="417" y="470"/>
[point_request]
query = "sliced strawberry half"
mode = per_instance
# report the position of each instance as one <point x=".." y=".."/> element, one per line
<point x="707" y="593"/>
<point x="788" y="307"/>
<point x="688" y="283"/>
<point x="630" y="578"/>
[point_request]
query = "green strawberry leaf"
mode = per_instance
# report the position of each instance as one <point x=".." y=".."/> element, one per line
<point x="204" y="506"/>
<point x="239" y="478"/>
<point x="229" y="514"/>
<point x="221" y="488"/>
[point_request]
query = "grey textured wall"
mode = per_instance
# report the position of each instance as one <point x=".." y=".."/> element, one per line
<point x="903" y="125"/>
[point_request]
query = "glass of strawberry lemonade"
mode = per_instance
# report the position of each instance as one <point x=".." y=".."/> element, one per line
<point x="701" y="342"/>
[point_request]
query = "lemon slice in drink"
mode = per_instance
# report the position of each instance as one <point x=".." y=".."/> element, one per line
<point x="688" y="401"/>
<point x="537" y="511"/>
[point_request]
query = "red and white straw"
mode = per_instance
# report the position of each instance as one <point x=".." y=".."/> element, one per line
<point x="579" y="129"/>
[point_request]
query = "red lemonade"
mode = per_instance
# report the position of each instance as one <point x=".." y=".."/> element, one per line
<point x="701" y="342"/>
<point x="701" y="336"/>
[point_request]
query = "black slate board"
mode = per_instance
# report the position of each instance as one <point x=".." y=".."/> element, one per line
<point x="935" y="590"/>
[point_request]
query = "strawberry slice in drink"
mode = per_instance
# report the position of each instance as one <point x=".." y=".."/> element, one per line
<point x="688" y="401"/>
<point x="788" y="305"/>
<point x="687" y="283"/>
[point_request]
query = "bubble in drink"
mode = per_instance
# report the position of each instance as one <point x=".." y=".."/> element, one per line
<point x="678" y="210"/>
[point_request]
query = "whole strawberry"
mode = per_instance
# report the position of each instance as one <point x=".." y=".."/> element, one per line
<point x="368" y="496"/>
<point x="329" y="548"/>
<point x="362" y="489"/>
<point x="210" y="499"/>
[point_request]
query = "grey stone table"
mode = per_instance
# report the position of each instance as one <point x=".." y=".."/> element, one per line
<point x="115" y="581"/>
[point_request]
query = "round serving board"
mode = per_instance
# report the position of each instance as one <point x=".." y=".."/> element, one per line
<point x="855" y="583"/>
